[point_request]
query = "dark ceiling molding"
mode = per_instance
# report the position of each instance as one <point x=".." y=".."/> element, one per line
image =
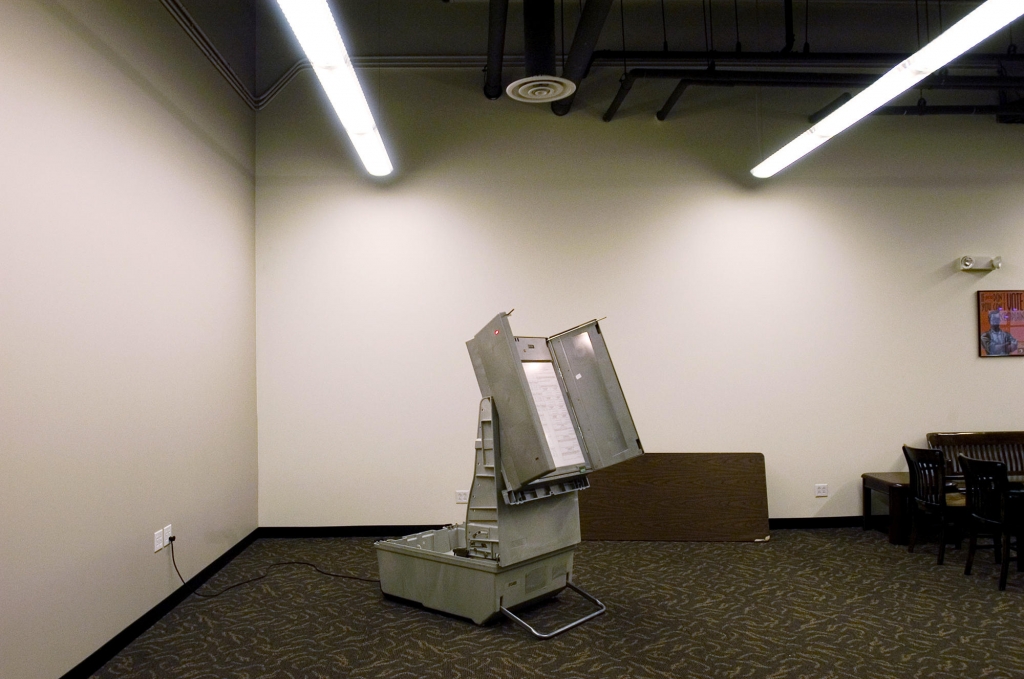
<point x="256" y="102"/>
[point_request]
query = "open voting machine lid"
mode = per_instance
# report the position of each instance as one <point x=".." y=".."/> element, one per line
<point x="560" y="408"/>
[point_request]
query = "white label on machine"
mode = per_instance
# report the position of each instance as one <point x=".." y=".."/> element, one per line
<point x="554" y="416"/>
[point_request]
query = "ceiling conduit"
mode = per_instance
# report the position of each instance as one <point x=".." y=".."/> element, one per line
<point x="656" y="65"/>
<point x="581" y="54"/>
<point x="772" y="69"/>
<point x="1015" y="110"/>
<point x="539" y="37"/>
<point x="497" y="18"/>
<point x="722" y="78"/>
<point x="539" y="27"/>
<point x="684" y="59"/>
<point x="790" y="33"/>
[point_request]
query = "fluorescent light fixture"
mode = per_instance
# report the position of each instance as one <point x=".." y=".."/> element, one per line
<point x="960" y="37"/>
<point x="314" y="26"/>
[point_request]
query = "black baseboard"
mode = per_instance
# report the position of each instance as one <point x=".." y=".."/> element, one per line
<point x="341" y="531"/>
<point x="817" y="522"/>
<point x="107" y="651"/>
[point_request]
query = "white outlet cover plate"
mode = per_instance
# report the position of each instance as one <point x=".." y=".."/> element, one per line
<point x="168" y="532"/>
<point x="462" y="497"/>
<point x="158" y="540"/>
<point x="821" y="490"/>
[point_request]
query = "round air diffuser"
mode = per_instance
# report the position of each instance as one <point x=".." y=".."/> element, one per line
<point x="540" y="89"/>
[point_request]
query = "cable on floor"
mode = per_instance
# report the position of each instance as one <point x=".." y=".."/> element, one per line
<point x="265" y="574"/>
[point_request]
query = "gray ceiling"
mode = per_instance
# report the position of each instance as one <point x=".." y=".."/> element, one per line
<point x="253" y="38"/>
<point x="249" y="32"/>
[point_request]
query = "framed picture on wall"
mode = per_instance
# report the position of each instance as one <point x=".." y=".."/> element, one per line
<point x="1000" y="323"/>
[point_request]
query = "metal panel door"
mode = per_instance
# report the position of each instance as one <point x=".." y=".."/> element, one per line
<point x="525" y="453"/>
<point x="595" y="394"/>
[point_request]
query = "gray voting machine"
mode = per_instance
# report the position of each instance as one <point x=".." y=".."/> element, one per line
<point x="552" y="412"/>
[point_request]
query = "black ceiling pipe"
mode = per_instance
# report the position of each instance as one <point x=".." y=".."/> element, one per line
<point x="577" y="64"/>
<point x="790" y="33"/>
<point x="931" y="110"/>
<point x="539" y="37"/>
<point x="780" y="59"/>
<point x="829" y="108"/>
<point x="625" y="85"/>
<point x="1014" y="116"/>
<point x="726" y="78"/>
<point x="731" y="79"/>
<point x="815" y="79"/>
<point x="672" y="99"/>
<point x="497" y="18"/>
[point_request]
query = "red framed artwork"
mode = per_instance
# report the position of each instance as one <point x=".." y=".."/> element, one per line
<point x="1000" y="323"/>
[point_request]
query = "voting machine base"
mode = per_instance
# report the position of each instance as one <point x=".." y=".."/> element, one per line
<point x="414" y="568"/>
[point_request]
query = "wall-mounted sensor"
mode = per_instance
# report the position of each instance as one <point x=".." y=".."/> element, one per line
<point x="979" y="263"/>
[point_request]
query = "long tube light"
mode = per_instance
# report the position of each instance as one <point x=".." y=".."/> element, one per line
<point x="960" y="37"/>
<point x="317" y="33"/>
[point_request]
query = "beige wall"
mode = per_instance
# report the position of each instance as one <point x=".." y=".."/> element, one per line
<point x="816" y="317"/>
<point x="127" y="321"/>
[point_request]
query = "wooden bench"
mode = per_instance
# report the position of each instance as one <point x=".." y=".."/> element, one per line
<point x="1004" y="446"/>
<point x="896" y="487"/>
<point x="1001" y="446"/>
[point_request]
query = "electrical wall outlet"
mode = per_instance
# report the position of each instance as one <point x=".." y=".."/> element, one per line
<point x="158" y="540"/>
<point x="167" y="534"/>
<point x="821" y="490"/>
<point x="462" y="497"/>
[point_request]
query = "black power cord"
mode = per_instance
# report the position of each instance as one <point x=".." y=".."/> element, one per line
<point x="265" y="574"/>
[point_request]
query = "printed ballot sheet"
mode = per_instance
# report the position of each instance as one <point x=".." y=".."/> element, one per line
<point x="554" y="416"/>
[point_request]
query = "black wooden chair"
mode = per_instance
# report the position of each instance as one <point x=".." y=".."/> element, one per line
<point x="929" y="503"/>
<point x="993" y="511"/>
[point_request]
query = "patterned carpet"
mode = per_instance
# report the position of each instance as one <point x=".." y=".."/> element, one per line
<point x="810" y="603"/>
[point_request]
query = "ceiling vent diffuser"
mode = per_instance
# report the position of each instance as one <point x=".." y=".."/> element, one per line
<point x="540" y="89"/>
